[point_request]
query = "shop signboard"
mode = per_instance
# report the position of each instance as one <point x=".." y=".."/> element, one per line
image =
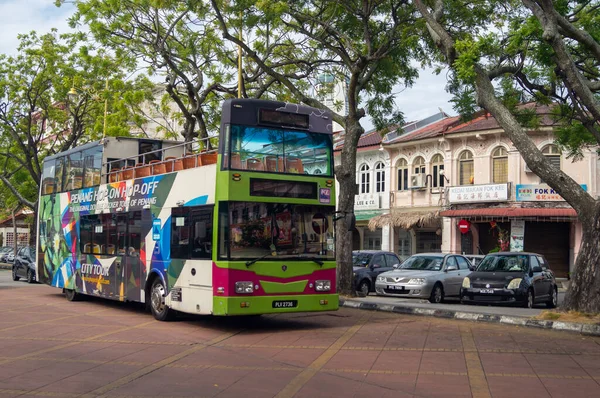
<point x="478" y="193"/>
<point x="538" y="193"/>
<point x="366" y="202"/>
<point x="517" y="235"/>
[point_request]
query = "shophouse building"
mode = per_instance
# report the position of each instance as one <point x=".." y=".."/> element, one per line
<point x="464" y="188"/>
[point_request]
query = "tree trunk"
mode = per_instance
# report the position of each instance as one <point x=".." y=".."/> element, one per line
<point x="583" y="293"/>
<point x="346" y="176"/>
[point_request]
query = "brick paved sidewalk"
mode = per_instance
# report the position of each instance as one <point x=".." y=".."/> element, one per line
<point x="50" y="347"/>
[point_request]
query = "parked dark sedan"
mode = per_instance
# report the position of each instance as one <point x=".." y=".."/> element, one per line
<point x="24" y="264"/>
<point x="368" y="264"/>
<point x="511" y="278"/>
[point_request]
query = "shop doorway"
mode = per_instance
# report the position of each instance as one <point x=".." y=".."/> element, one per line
<point x="552" y="240"/>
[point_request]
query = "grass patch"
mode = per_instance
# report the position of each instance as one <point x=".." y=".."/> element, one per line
<point x="569" y="316"/>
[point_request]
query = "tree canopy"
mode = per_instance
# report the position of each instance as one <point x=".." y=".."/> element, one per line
<point x="368" y="45"/>
<point x="38" y="117"/>
<point x="505" y="53"/>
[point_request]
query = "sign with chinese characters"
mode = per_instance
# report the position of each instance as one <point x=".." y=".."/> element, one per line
<point x="478" y="193"/>
<point x="538" y="193"/>
<point x="366" y="202"/>
<point x="517" y="235"/>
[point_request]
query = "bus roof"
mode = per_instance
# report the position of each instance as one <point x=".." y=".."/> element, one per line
<point x="319" y="119"/>
<point x="73" y="150"/>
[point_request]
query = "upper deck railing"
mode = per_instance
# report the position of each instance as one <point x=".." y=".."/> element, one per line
<point x="205" y="155"/>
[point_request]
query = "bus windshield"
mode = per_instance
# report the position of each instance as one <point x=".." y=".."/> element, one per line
<point x="250" y="230"/>
<point x="280" y="151"/>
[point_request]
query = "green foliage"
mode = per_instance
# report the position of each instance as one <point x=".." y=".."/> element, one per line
<point x="37" y="116"/>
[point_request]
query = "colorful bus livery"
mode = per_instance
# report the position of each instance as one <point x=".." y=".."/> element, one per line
<point x="245" y="229"/>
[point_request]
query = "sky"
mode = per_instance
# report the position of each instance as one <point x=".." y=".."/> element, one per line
<point x="424" y="99"/>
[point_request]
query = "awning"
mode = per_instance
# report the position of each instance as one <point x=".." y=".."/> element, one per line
<point x="510" y="212"/>
<point x="404" y="220"/>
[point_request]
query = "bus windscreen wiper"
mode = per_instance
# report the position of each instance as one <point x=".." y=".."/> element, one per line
<point x="250" y="262"/>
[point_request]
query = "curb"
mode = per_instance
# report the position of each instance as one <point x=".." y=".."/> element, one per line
<point x="582" y="328"/>
<point x="5" y="266"/>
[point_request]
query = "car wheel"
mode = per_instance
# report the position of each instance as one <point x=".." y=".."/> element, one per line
<point x="14" y="274"/>
<point x="72" y="295"/>
<point x="530" y="299"/>
<point x="553" y="302"/>
<point x="160" y="310"/>
<point x="30" y="276"/>
<point x="437" y="294"/>
<point x="363" y="288"/>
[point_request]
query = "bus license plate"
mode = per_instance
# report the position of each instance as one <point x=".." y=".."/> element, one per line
<point x="285" y="304"/>
<point x="487" y="291"/>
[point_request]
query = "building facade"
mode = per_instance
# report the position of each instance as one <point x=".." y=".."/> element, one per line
<point x="473" y="192"/>
<point x="372" y="198"/>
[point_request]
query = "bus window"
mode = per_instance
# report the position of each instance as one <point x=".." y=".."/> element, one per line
<point x="135" y="230"/>
<point x="149" y="146"/>
<point x="48" y="178"/>
<point x="60" y="174"/>
<point x="121" y="234"/>
<point x="92" y="162"/>
<point x="279" y="151"/>
<point x="180" y="232"/>
<point x="85" y="234"/>
<point x="112" y="241"/>
<point x="74" y="172"/>
<point x="92" y="234"/>
<point x="201" y="222"/>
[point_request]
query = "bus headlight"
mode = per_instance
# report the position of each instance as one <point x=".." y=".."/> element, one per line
<point x="322" y="286"/>
<point x="514" y="284"/>
<point x="244" y="287"/>
<point x="466" y="283"/>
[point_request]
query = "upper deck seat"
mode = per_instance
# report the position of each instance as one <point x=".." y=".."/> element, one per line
<point x="255" y="164"/>
<point x="158" y="167"/>
<point x="173" y="164"/>
<point x="274" y="163"/>
<point x="294" y="165"/>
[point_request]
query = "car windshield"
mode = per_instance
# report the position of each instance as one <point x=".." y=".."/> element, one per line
<point x="361" y="259"/>
<point x="425" y="263"/>
<point x="504" y="263"/>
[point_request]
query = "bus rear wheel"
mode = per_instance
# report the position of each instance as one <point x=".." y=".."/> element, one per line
<point x="159" y="308"/>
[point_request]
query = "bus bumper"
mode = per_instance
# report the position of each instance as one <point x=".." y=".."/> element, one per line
<point x="251" y="305"/>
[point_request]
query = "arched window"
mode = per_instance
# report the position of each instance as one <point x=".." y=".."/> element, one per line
<point x="365" y="179"/>
<point x="402" y="175"/>
<point x="465" y="168"/>
<point x="552" y="153"/>
<point x="499" y="165"/>
<point x="419" y="165"/>
<point x="437" y="166"/>
<point x="379" y="177"/>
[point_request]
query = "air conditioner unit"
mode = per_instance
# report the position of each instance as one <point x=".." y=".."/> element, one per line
<point x="417" y="181"/>
<point x="527" y="169"/>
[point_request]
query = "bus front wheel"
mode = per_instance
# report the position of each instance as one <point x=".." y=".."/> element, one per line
<point x="71" y="295"/>
<point x="159" y="308"/>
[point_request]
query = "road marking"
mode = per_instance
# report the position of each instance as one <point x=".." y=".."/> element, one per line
<point x="300" y="380"/>
<point x="477" y="380"/>
<point x="151" y="368"/>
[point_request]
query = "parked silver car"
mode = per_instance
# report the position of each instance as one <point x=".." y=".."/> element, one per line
<point x="428" y="275"/>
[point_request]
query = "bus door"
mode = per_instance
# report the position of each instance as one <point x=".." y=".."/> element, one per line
<point x="128" y="262"/>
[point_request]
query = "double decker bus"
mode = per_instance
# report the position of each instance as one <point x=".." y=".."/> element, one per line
<point x="242" y="227"/>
